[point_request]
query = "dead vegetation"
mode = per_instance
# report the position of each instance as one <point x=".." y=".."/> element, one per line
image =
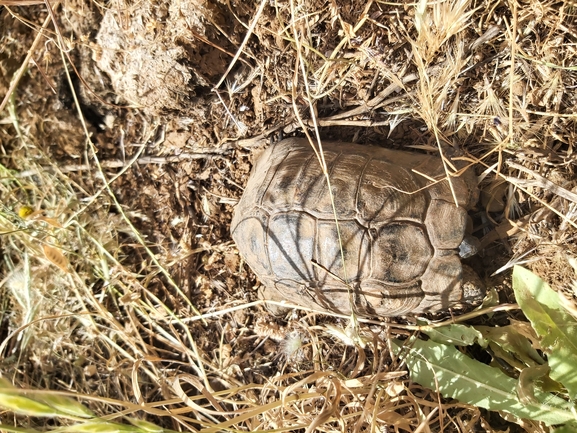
<point x="127" y="131"/>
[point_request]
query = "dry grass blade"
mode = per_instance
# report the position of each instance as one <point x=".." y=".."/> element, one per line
<point x="541" y="182"/>
<point x="246" y="38"/>
<point x="21" y="2"/>
<point x="316" y="144"/>
<point x="24" y="66"/>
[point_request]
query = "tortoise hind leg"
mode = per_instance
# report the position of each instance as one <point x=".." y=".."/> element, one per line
<point x="473" y="287"/>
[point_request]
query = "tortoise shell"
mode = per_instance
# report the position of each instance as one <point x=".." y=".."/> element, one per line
<point x="398" y="226"/>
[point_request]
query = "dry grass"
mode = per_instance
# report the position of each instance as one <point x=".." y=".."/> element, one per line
<point x="102" y="288"/>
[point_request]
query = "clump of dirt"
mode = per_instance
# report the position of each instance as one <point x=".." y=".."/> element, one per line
<point x="143" y="70"/>
<point x="159" y="57"/>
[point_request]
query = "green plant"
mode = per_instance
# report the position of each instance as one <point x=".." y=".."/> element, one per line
<point x="546" y="386"/>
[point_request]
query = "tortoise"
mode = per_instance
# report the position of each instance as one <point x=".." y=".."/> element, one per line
<point x="398" y="225"/>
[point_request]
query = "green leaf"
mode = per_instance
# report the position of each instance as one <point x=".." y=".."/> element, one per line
<point x="64" y="405"/>
<point x="25" y="406"/>
<point x="455" y="375"/>
<point x="556" y="327"/>
<point x="458" y="335"/>
<point x="44" y="403"/>
<point x="98" y="426"/>
<point x="527" y="379"/>
<point x="13" y="429"/>
<point x="567" y="428"/>
<point x="505" y="361"/>
<point x="511" y="340"/>
<point x="491" y="298"/>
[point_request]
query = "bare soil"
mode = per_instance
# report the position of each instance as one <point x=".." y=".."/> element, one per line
<point x="176" y="119"/>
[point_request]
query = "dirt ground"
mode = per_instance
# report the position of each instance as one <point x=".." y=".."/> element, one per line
<point x="176" y="102"/>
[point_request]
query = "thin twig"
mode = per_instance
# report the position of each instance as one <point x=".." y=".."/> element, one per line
<point x="116" y="163"/>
